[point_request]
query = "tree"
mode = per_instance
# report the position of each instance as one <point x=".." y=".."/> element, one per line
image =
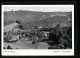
<point x="20" y="26"/>
<point x="18" y="21"/>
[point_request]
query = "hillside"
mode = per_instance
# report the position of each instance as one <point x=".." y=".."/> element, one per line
<point x="22" y="30"/>
<point x="24" y="16"/>
<point x="33" y="18"/>
<point x="48" y="22"/>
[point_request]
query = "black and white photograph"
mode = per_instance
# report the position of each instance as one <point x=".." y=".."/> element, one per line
<point x="37" y="27"/>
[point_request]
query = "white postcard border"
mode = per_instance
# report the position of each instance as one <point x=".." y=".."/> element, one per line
<point x="39" y="52"/>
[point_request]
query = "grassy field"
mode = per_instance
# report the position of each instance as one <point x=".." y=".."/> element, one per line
<point x="27" y="45"/>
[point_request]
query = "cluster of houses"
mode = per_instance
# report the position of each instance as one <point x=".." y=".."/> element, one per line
<point x="12" y="32"/>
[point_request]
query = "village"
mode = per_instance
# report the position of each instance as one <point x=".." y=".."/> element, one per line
<point x="13" y="33"/>
<point x="15" y="37"/>
<point x="56" y="36"/>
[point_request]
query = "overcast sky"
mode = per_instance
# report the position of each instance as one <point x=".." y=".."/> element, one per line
<point x="42" y="8"/>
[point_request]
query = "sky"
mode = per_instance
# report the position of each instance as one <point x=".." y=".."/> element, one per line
<point x="41" y="8"/>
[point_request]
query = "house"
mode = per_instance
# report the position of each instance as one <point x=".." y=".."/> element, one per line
<point x="40" y="27"/>
<point x="16" y="29"/>
<point x="15" y="38"/>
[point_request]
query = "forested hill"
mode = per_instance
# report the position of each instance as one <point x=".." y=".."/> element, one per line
<point x="29" y="18"/>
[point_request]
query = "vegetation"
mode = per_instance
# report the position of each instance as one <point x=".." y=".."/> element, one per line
<point x="57" y="38"/>
<point x="61" y="37"/>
